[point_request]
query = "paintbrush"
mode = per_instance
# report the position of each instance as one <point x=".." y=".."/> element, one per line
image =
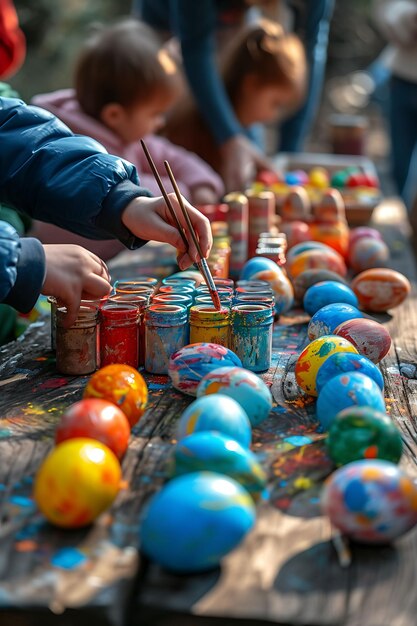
<point x="202" y="263"/>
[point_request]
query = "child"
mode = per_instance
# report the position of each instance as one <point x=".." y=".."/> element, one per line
<point x="51" y="174"/>
<point x="124" y="84"/>
<point x="264" y="74"/>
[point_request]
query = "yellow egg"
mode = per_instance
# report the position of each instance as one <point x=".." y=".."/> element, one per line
<point x="313" y="357"/>
<point x="77" y="481"/>
<point x="319" y="177"/>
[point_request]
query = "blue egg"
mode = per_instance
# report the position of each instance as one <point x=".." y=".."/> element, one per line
<point x="342" y="362"/>
<point x="344" y="390"/>
<point x="195" y="520"/>
<point x="328" y="318"/>
<point x="256" y="264"/>
<point x="327" y="292"/>
<point x="216" y="412"/>
<point x="214" y="452"/>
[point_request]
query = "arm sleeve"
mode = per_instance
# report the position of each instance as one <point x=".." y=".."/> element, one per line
<point x="22" y="269"/>
<point x="68" y="180"/>
<point x="194" y="24"/>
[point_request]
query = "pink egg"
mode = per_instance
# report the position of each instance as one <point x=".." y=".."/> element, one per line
<point x="368" y="252"/>
<point x="369" y="337"/>
<point x="380" y="289"/>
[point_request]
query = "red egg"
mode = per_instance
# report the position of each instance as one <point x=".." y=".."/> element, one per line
<point x="96" y="419"/>
<point x="380" y="289"/>
<point x="370" y="338"/>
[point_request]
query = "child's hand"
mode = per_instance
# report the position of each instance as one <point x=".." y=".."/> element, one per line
<point x="240" y="161"/>
<point x="150" y="218"/>
<point x="203" y="194"/>
<point x="72" y="274"/>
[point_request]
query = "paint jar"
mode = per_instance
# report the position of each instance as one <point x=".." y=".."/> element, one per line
<point x="237" y="220"/>
<point x="251" y="335"/>
<point x="261" y="216"/>
<point x="203" y="298"/>
<point x="141" y="301"/>
<point x="119" y="333"/>
<point x="53" y="302"/>
<point x="177" y="288"/>
<point x="242" y="291"/>
<point x="165" y="333"/>
<point x="126" y="288"/>
<point x="76" y="346"/>
<point x="183" y="299"/>
<point x="252" y="283"/>
<point x="229" y="283"/>
<point x="185" y="282"/>
<point x="255" y="298"/>
<point x="209" y="325"/>
<point x="144" y="281"/>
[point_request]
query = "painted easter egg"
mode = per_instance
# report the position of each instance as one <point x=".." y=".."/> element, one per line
<point x="195" y="520"/>
<point x="188" y="366"/>
<point x="327" y="292"/>
<point x="312" y="358"/>
<point x="371" y="501"/>
<point x="218" y="413"/>
<point x="317" y="259"/>
<point x="368" y="252"/>
<point x="256" y="264"/>
<point x="243" y="386"/>
<point x="78" y="480"/>
<point x="96" y="419"/>
<point x="310" y="277"/>
<point x="305" y="247"/>
<point x="296" y="232"/>
<point x="319" y="177"/>
<point x="122" y="385"/>
<point x="342" y="362"/>
<point x="335" y="235"/>
<point x="380" y="289"/>
<point x="281" y="287"/>
<point x="363" y="231"/>
<point x="360" y="432"/>
<point x="215" y="452"/>
<point x="369" y="337"/>
<point x="346" y="390"/>
<point x="329" y="317"/>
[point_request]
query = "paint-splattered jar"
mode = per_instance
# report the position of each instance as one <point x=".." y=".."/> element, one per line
<point x="183" y="299"/>
<point x="126" y="287"/>
<point x="251" y="335"/>
<point x="165" y="333"/>
<point x="141" y="301"/>
<point x="76" y="346"/>
<point x="205" y="298"/>
<point x="255" y="298"/>
<point x="119" y="333"/>
<point x="209" y="325"/>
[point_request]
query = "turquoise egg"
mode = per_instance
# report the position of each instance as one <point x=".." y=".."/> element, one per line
<point x="342" y="362"/>
<point x="215" y="452"/>
<point x="329" y="317"/>
<point x="219" y="413"/>
<point x="371" y="501"/>
<point x="195" y="520"/>
<point x="188" y="366"/>
<point x="241" y="385"/>
<point x="256" y="264"/>
<point x="344" y="390"/>
<point x="328" y="292"/>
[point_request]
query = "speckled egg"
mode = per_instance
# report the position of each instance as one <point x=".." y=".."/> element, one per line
<point x="368" y="252"/>
<point x="214" y="452"/>
<point x="195" y="520"/>
<point x="363" y="231"/>
<point x="281" y="287"/>
<point x="241" y="385"/>
<point x="256" y="264"/>
<point x="317" y="259"/>
<point x="327" y="292"/>
<point x="380" y="289"/>
<point x="371" y="501"/>
<point x="188" y="366"/>
<point x="219" y="413"/>
<point x="326" y="319"/>
<point x="342" y="362"/>
<point x="346" y="390"/>
<point x="312" y="358"/>
<point x="360" y="432"/>
<point x="305" y="247"/>
<point x="369" y="337"/>
<point x="310" y="277"/>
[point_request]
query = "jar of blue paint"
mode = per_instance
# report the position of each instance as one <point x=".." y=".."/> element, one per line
<point x="251" y="336"/>
<point x="166" y="329"/>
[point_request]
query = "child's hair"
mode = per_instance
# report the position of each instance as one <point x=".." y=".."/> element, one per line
<point x="122" y="63"/>
<point x="263" y="49"/>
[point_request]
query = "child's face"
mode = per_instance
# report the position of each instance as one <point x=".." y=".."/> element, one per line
<point x="263" y="105"/>
<point x="144" y="118"/>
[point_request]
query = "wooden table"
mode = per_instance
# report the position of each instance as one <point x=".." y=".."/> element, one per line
<point x="287" y="571"/>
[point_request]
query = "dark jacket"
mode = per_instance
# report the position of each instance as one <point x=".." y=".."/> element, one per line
<point x="53" y="175"/>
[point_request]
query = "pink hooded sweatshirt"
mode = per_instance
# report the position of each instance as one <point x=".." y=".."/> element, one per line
<point x="190" y="171"/>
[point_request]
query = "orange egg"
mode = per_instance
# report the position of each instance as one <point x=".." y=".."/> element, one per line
<point x="380" y="289"/>
<point x="77" y="481"/>
<point x="317" y="259"/>
<point x="122" y="385"/>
